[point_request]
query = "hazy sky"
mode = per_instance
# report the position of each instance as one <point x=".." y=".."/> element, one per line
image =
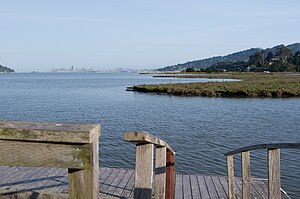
<point x="39" y="35"/>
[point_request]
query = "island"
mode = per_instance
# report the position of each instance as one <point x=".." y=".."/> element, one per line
<point x="4" y="69"/>
<point x="252" y="84"/>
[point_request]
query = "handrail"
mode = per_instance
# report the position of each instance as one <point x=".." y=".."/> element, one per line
<point x="274" y="185"/>
<point x="264" y="146"/>
<point x="164" y="178"/>
<point x="144" y="137"/>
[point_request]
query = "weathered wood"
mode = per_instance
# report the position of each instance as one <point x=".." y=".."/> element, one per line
<point x="143" y="171"/>
<point x="49" y="132"/>
<point x="264" y="146"/>
<point x="178" y="187"/>
<point x="246" y="174"/>
<point x="22" y="153"/>
<point x="144" y="137"/>
<point x="160" y="173"/>
<point x="187" y="194"/>
<point x="85" y="183"/>
<point x="170" y="175"/>
<point x="274" y="173"/>
<point x="230" y="173"/>
<point x="202" y="187"/>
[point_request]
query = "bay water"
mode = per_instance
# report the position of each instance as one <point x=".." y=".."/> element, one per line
<point x="199" y="129"/>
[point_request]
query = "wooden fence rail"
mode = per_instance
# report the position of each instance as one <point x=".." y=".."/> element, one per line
<point x="274" y="185"/>
<point x="164" y="166"/>
<point x="61" y="145"/>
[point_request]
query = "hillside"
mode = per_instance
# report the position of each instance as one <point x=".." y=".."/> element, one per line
<point x="4" y="69"/>
<point x="234" y="57"/>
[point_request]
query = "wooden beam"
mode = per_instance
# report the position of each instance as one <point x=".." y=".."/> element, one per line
<point x="144" y="137"/>
<point x="274" y="173"/>
<point x="84" y="183"/>
<point x="170" y="175"/>
<point x="20" y="153"/>
<point x="143" y="171"/>
<point x="49" y="132"/>
<point x="230" y="173"/>
<point x="246" y="174"/>
<point x="160" y="173"/>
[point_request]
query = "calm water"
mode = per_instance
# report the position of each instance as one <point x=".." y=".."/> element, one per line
<point x="200" y="129"/>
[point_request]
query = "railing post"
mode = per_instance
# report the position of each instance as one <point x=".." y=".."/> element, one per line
<point x="170" y="172"/>
<point x="274" y="173"/>
<point x="230" y="172"/>
<point x="246" y="174"/>
<point x="84" y="183"/>
<point x="143" y="171"/>
<point x="160" y="173"/>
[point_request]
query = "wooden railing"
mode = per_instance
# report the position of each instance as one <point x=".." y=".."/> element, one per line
<point x="164" y="166"/>
<point x="274" y="185"/>
<point x="61" y="145"/>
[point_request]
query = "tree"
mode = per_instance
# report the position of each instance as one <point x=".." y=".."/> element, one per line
<point x="258" y="59"/>
<point x="284" y="55"/>
<point x="190" y="70"/>
<point x="270" y="56"/>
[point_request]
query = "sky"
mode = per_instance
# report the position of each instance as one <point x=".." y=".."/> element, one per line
<point x="139" y="34"/>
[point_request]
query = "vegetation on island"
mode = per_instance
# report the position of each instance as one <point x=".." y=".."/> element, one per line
<point x="4" y="69"/>
<point x="251" y="85"/>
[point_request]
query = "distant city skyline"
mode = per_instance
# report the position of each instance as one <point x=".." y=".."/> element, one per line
<point x="106" y="35"/>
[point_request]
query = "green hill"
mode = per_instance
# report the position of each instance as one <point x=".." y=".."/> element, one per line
<point x="234" y="57"/>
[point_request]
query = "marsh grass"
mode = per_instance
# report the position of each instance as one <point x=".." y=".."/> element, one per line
<point x="252" y="85"/>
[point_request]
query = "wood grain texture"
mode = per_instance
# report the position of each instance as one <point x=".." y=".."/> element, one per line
<point x="143" y="171"/>
<point x="246" y="174"/>
<point x="160" y="173"/>
<point x="170" y="175"/>
<point x="85" y="183"/>
<point x="274" y="173"/>
<point x="230" y="175"/>
<point x="144" y="137"/>
<point x="49" y="132"/>
<point x="21" y="153"/>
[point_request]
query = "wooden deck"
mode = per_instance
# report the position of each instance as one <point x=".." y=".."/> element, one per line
<point x="118" y="183"/>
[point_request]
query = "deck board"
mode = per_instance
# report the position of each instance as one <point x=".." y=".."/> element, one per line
<point x="119" y="183"/>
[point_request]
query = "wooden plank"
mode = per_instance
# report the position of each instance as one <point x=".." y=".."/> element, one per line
<point x="49" y="132"/>
<point x="246" y="174"/>
<point x="144" y="137"/>
<point x="178" y="187"/>
<point x="261" y="192"/>
<point x="170" y="175"/>
<point x="129" y="189"/>
<point x="274" y="173"/>
<point x="121" y="187"/>
<point x="203" y="187"/>
<point x="238" y="187"/>
<point x="210" y="187"/>
<point x="143" y="171"/>
<point x="195" y="187"/>
<point x="224" y="184"/>
<point x="230" y="174"/>
<point x="221" y="192"/>
<point x="115" y="183"/>
<point x="187" y="191"/>
<point x="85" y="183"/>
<point x="160" y="173"/>
<point x="37" y="154"/>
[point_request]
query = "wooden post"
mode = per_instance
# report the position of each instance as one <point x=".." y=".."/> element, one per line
<point x="84" y="183"/>
<point x="160" y="173"/>
<point x="230" y="173"/>
<point x="143" y="171"/>
<point x="246" y="174"/>
<point x="170" y="175"/>
<point x="60" y="145"/>
<point x="274" y="173"/>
